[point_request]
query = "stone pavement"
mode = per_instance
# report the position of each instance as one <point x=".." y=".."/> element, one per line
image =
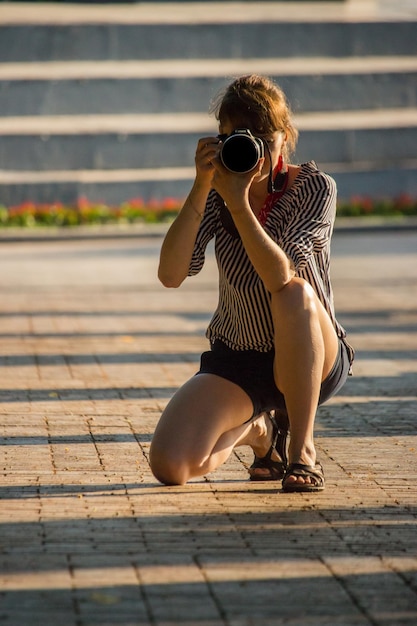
<point x="91" y="350"/>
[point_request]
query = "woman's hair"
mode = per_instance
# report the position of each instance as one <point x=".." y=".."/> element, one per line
<point x="257" y="103"/>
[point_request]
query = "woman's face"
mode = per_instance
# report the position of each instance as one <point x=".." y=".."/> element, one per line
<point x="273" y="140"/>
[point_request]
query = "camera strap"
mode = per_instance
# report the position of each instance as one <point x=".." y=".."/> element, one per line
<point x="280" y="182"/>
<point x="279" y="186"/>
<point x="278" y="177"/>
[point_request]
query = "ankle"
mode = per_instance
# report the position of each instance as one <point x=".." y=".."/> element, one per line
<point x="261" y="433"/>
<point x="306" y="454"/>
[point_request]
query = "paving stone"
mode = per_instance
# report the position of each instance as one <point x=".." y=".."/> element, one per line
<point x="87" y="534"/>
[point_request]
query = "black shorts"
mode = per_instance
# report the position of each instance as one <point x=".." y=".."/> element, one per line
<point x="253" y="371"/>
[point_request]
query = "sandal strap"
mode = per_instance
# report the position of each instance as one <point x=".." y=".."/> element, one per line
<point x="300" y="469"/>
<point x="281" y="418"/>
<point x="276" y="469"/>
<point x="279" y="443"/>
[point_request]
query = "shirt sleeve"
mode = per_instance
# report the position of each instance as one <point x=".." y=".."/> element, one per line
<point x="310" y="227"/>
<point x="205" y="233"/>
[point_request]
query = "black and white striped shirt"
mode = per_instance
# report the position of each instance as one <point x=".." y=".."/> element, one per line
<point x="301" y="222"/>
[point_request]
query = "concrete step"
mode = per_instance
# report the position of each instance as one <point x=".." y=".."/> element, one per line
<point x="113" y="158"/>
<point x="167" y="140"/>
<point x="196" y="12"/>
<point x="279" y="37"/>
<point x="203" y="68"/>
<point x="143" y="151"/>
<point x="195" y="122"/>
<point x="316" y="84"/>
<point x="116" y="186"/>
<point x="108" y="101"/>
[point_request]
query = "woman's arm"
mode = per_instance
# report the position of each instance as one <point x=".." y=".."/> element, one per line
<point x="178" y="245"/>
<point x="270" y="262"/>
<point x="177" y="248"/>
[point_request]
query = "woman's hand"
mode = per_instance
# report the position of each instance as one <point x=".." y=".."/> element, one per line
<point x="207" y="150"/>
<point x="177" y="248"/>
<point x="210" y="172"/>
<point x="234" y="187"/>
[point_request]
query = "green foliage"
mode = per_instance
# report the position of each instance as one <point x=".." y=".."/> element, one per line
<point x="404" y="205"/>
<point x="83" y="212"/>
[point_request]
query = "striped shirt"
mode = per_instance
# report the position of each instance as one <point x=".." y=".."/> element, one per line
<point x="301" y="223"/>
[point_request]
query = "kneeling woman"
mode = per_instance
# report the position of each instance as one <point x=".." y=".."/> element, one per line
<point x="276" y="348"/>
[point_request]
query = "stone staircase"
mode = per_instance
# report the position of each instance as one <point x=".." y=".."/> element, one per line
<point x="108" y="101"/>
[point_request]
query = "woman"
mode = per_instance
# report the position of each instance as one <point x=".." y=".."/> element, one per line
<point x="275" y="342"/>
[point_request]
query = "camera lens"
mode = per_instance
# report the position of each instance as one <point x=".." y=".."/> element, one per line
<point x="241" y="152"/>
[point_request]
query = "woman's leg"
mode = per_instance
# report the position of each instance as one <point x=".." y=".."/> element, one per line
<point x="199" y="428"/>
<point x="306" y="347"/>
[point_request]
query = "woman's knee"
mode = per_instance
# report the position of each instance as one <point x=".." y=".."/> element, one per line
<point x="168" y="469"/>
<point x="297" y="295"/>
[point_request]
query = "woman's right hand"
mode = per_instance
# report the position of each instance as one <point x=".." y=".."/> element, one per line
<point x="207" y="150"/>
<point x="177" y="248"/>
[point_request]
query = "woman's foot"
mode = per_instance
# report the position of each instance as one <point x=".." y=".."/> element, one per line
<point x="270" y="448"/>
<point x="301" y="477"/>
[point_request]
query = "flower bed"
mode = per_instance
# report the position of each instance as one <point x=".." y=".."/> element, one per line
<point x="404" y="205"/>
<point x="84" y="212"/>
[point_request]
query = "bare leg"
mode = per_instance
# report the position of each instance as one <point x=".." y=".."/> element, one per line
<point x="199" y="428"/>
<point x="306" y="347"/>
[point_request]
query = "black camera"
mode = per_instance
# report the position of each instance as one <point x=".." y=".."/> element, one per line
<point x="241" y="151"/>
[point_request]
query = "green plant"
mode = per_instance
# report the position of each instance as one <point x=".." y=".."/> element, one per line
<point x="136" y="210"/>
<point x="29" y="214"/>
<point x="404" y="205"/>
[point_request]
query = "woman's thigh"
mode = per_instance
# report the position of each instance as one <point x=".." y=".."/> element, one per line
<point x="200" y="412"/>
<point x="299" y="296"/>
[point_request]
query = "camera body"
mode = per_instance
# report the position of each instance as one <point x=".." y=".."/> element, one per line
<point x="241" y="151"/>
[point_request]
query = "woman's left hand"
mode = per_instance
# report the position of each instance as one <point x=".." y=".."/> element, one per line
<point x="234" y="187"/>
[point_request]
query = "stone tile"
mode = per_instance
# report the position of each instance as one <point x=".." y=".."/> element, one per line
<point x="87" y="533"/>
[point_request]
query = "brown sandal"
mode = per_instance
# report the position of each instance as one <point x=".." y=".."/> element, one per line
<point x="314" y="472"/>
<point x="279" y="444"/>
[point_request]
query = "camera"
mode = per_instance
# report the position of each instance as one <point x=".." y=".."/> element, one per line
<point x="241" y="151"/>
